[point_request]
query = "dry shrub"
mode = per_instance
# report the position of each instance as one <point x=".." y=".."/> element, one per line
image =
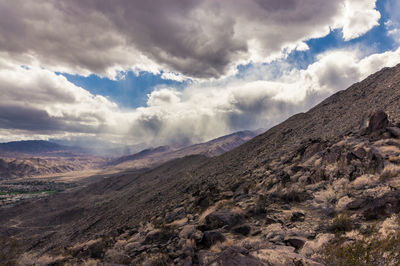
<point x="342" y="223"/>
<point x="372" y="250"/>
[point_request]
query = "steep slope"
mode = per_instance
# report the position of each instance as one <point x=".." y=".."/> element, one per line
<point x="275" y="200"/>
<point x="153" y="157"/>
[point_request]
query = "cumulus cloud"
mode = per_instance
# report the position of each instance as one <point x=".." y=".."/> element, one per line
<point x="195" y="38"/>
<point x="202" y="112"/>
<point x="359" y="16"/>
<point x="36" y="101"/>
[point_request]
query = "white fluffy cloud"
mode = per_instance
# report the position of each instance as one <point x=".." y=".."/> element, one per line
<point x="202" y="112"/>
<point x="35" y="101"/>
<point x="38" y="101"/>
<point x="195" y="38"/>
<point x="359" y="16"/>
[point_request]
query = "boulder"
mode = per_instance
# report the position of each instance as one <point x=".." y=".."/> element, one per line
<point x="377" y="122"/>
<point x="243" y="229"/>
<point x="175" y="215"/>
<point x="158" y="237"/>
<point x="220" y="219"/>
<point x="212" y="237"/>
<point x="296" y="242"/>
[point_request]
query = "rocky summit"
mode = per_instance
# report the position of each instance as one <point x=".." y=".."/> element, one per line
<point x="321" y="188"/>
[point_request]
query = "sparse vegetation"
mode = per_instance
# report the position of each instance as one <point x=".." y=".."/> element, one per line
<point x="342" y="223"/>
<point x="369" y="251"/>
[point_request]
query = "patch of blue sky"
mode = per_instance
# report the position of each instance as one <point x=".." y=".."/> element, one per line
<point x="128" y="92"/>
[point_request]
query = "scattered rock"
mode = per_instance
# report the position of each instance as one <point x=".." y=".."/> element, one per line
<point x="191" y="232"/>
<point x="282" y="255"/>
<point x="275" y="233"/>
<point x="382" y="207"/>
<point x="236" y="256"/>
<point x="313" y="246"/>
<point x="360" y="153"/>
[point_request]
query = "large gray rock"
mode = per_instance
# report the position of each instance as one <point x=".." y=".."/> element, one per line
<point x="220" y="219"/>
<point x="158" y="237"/>
<point x="296" y="242"/>
<point x="175" y="215"/>
<point x="378" y="121"/>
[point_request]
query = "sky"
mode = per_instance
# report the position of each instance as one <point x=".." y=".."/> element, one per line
<point x="176" y="72"/>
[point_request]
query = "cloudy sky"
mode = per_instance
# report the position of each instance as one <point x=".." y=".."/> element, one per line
<point x="180" y="71"/>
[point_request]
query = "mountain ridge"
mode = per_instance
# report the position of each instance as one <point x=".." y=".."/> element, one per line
<point x="152" y="157"/>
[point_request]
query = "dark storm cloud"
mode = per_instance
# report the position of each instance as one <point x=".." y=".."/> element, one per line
<point x="199" y="38"/>
<point x="38" y="121"/>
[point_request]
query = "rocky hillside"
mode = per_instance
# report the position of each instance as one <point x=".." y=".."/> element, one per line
<point x="322" y="188"/>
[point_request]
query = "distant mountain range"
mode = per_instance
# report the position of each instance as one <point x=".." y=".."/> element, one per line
<point x="151" y="157"/>
<point x="37" y="147"/>
<point x="38" y="157"/>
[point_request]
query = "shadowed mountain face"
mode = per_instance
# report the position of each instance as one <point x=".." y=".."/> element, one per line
<point x="153" y="157"/>
<point x="286" y="197"/>
<point x="22" y="159"/>
<point x="36" y="147"/>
